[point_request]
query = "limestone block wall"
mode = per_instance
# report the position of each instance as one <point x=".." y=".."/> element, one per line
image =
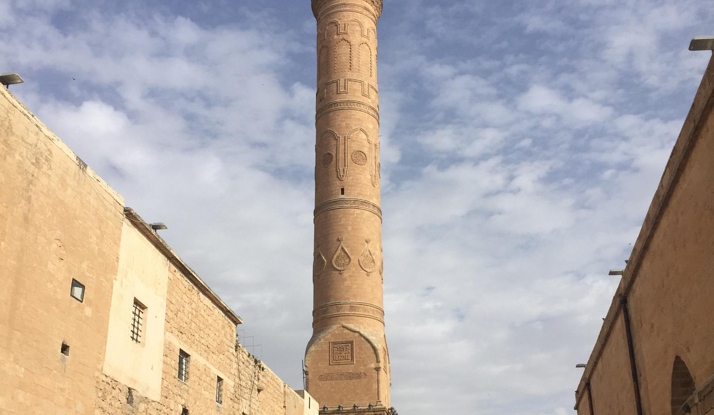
<point x="667" y="287"/>
<point x="195" y="325"/>
<point x="58" y="221"/>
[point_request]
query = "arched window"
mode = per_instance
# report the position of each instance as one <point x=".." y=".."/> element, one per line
<point x="682" y="385"/>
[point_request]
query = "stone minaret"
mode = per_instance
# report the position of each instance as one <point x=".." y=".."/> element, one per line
<point x="347" y="361"/>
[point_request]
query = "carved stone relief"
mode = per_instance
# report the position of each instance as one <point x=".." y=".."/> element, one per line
<point x="341" y="153"/>
<point x="342" y="258"/>
<point x="365" y="60"/>
<point x="319" y="263"/>
<point x="337" y="377"/>
<point x="359" y="158"/>
<point x="343" y="56"/>
<point x="342" y="353"/>
<point x="366" y="259"/>
<point x="327" y="159"/>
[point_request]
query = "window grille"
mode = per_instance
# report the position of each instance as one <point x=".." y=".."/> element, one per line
<point x="137" y="320"/>
<point x="184" y="359"/>
<point x="219" y="390"/>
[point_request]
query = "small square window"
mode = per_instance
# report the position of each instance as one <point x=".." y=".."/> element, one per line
<point x="77" y="291"/>
<point x="137" y="321"/>
<point x="184" y="359"/>
<point x="64" y="349"/>
<point x="219" y="390"/>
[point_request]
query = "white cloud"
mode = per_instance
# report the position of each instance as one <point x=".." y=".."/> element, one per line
<point x="519" y="156"/>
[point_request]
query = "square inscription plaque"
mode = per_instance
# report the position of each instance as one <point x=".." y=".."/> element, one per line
<point x="342" y="353"/>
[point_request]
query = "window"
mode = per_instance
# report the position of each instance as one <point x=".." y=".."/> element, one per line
<point x="77" y="291"/>
<point x="64" y="349"/>
<point x="184" y="359"/>
<point x="219" y="390"/>
<point x="137" y="320"/>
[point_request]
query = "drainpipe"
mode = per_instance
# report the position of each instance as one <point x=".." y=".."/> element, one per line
<point x="590" y="397"/>
<point x="631" y="347"/>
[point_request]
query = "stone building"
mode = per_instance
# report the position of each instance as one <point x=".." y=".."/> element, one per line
<point x="347" y="359"/>
<point x="655" y="352"/>
<point x="97" y="314"/>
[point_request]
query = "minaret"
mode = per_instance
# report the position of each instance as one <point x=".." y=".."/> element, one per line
<point x="347" y="361"/>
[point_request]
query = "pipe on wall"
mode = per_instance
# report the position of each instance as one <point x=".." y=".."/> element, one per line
<point x="631" y="348"/>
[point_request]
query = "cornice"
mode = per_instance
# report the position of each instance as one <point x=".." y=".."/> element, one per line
<point x="377" y="5"/>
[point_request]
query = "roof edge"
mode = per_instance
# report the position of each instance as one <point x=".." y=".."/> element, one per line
<point x="165" y="249"/>
<point x="693" y="124"/>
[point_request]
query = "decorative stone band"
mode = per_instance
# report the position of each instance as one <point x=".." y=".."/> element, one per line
<point x="337" y="377"/>
<point x="348" y="203"/>
<point x="348" y="309"/>
<point x="319" y="9"/>
<point x="342" y="105"/>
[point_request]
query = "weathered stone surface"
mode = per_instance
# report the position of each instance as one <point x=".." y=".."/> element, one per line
<point x="668" y="290"/>
<point x="347" y="359"/>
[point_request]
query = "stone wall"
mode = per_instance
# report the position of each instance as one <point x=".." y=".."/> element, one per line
<point x="195" y="325"/>
<point x="668" y="287"/>
<point x="58" y="222"/>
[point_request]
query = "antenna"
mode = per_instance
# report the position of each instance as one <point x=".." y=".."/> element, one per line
<point x="304" y="384"/>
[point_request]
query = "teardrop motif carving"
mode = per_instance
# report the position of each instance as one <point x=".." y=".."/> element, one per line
<point x="342" y="258"/>
<point x="366" y="259"/>
<point x="319" y="263"/>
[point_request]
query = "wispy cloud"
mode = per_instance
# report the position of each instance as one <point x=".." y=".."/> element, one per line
<point x="522" y="144"/>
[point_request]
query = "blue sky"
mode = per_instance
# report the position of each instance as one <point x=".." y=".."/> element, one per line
<point x="522" y="144"/>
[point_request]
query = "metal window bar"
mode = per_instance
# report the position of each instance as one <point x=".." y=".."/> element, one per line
<point x="136" y="322"/>
<point x="219" y="390"/>
<point x="183" y="366"/>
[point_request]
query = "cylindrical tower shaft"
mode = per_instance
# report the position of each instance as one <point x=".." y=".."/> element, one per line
<point x="347" y="358"/>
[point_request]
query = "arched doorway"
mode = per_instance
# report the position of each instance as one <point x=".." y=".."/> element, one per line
<point x="682" y="385"/>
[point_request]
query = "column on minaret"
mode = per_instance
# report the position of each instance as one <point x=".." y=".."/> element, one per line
<point x="347" y="361"/>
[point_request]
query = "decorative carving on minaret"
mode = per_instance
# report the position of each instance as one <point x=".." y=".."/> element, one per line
<point x="359" y="158"/>
<point x="343" y="151"/>
<point x="327" y="159"/>
<point x="377" y="5"/>
<point x="366" y="260"/>
<point x="342" y="258"/>
<point x="318" y="264"/>
<point x="343" y="56"/>
<point x="365" y="59"/>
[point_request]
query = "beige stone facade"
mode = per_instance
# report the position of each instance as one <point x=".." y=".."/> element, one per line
<point x="147" y="336"/>
<point x="655" y="352"/>
<point x="347" y="361"/>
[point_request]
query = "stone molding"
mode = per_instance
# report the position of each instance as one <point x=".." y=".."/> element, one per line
<point x="348" y="309"/>
<point x="376" y="5"/>
<point x="348" y="203"/>
<point x="342" y="87"/>
<point x="342" y="105"/>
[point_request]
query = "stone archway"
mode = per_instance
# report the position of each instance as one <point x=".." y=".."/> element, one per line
<point x="682" y="385"/>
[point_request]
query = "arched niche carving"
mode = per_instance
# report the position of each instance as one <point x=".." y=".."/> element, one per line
<point x="364" y="58"/>
<point x="323" y="62"/>
<point x="343" y="56"/>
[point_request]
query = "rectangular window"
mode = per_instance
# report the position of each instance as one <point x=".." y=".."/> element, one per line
<point x="184" y="359"/>
<point x="77" y="291"/>
<point x="219" y="390"/>
<point x="137" y="321"/>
